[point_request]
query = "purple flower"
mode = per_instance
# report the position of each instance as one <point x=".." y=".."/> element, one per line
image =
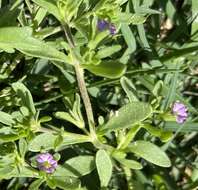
<point x="112" y="29"/>
<point x="102" y="25"/>
<point x="46" y="162"/>
<point x="180" y="111"/>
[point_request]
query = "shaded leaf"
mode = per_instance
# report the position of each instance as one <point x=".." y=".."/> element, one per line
<point x="129" y="38"/>
<point x="8" y="17"/>
<point x="109" y="69"/>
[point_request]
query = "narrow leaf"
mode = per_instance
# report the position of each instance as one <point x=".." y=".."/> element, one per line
<point x="129" y="89"/>
<point x="129" y="37"/>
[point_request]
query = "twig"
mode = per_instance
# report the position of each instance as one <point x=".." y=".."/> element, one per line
<point x="81" y="81"/>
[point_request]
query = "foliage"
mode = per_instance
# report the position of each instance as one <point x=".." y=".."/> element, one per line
<point x="93" y="83"/>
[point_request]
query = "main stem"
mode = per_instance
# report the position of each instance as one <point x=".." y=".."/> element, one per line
<point x="86" y="100"/>
<point x="81" y="82"/>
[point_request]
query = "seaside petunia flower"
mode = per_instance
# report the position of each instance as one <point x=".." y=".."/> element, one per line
<point x="104" y="25"/>
<point x="180" y="111"/>
<point x="46" y="162"/>
<point x="112" y="29"/>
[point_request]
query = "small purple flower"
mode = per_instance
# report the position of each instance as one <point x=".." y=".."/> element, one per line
<point x="102" y="25"/>
<point x="46" y="162"/>
<point x="112" y="29"/>
<point x="180" y="111"/>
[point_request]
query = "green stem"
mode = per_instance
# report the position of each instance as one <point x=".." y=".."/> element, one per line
<point x="81" y="81"/>
<point x="85" y="96"/>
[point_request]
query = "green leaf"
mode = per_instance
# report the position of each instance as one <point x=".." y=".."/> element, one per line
<point x="108" y="69"/>
<point x="50" y="6"/>
<point x="72" y="138"/>
<point x="170" y="9"/>
<point x="188" y="127"/>
<point x="143" y="37"/>
<point x="150" y="152"/>
<point x="47" y="31"/>
<point x="45" y="119"/>
<point x="170" y="98"/>
<point x="104" y="167"/>
<point x="66" y="183"/>
<point x="43" y="141"/>
<point x="68" y="117"/>
<point x="129" y="89"/>
<point x="6" y="118"/>
<point x="176" y="53"/>
<point x="127" y="116"/>
<point x="36" y="184"/>
<point x="25" y="171"/>
<point x="5" y="172"/>
<point x="147" y="3"/>
<point x="22" y="147"/>
<point x="40" y="16"/>
<point x="157" y="132"/>
<point x="137" y="19"/>
<point x="69" y="9"/>
<point x="76" y="167"/>
<point x="82" y="164"/>
<point x="51" y="183"/>
<point x="25" y="96"/>
<point x="108" y="51"/>
<point x="9" y="137"/>
<point x="132" y="164"/>
<point x="194" y="175"/>
<point x="7" y="148"/>
<point x="129" y="38"/>
<point x="21" y="38"/>
<point x="97" y="39"/>
<point x="145" y="10"/>
<point x="195" y="19"/>
<point x="46" y="141"/>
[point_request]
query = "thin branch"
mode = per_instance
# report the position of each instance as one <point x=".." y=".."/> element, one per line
<point x="81" y="82"/>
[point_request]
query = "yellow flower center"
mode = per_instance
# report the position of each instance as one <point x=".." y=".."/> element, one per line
<point x="47" y="164"/>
